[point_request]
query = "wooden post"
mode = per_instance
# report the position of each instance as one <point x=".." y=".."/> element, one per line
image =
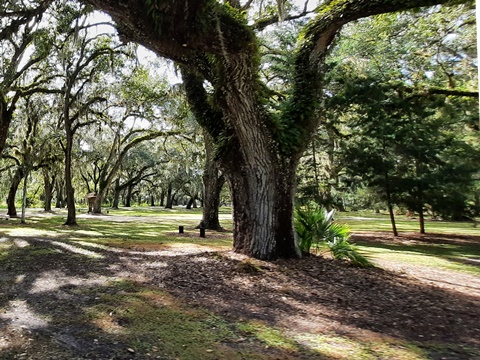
<point x="202" y="232"/>
<point x="180" y="229"/>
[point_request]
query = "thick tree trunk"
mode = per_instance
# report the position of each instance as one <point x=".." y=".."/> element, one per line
<point x="213" y="183"/>
<point x="263" y="212"/>
<point x="128" y="196"/>
<point x="162" y="198"/>
<point x="152" y="200"/>
<point x="60" y="190"/>
<point x="169" y="204"/>
<point x="116" y="194"/>
<point x="97" y="204"/>
<point x="12" y="193"/>
<point x="5" y="120"/>
<point x="262" y="180"/>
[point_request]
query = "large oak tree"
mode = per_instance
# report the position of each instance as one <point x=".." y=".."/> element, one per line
<point x="258" y="147"/>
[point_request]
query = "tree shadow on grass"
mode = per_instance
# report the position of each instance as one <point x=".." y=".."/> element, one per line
<point x="66" y="303"/>
<point x="57" y="301"/>
<point x="319" y="295"/>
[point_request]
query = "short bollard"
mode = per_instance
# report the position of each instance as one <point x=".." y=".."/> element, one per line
<point x="180" y="229"/>
<point x="202" y="232"/>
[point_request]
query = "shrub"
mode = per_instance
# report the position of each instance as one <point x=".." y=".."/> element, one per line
<point x="315" y="228"/>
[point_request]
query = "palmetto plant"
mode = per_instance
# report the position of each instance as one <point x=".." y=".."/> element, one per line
<point x="315" y="228"/>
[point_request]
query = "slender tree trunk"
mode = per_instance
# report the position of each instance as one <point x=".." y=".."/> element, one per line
<point x="116" y="199"/>
<point x="419" y="197"/>
<point x="12" y="193"/>
<point x="189" y="204"/>
<point x="476" y="206"/>
<point x="152" y="200"/>
<point x="69" y="189"/>
<point x="390" y="205"/>
<point x="24" y="197"/>
<point x="421" y="220"/>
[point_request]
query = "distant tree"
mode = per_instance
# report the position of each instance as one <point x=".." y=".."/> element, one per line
<point x="28" y="148"/>
<point x="406" y="122"/>
<point x="25" y="44"/>
<point x="83" y="60"/>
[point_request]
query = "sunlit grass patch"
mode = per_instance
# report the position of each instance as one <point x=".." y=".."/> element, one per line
<point x="343" y="347"/>
<point x="448" y="253"/>
<point x="270" y="336"/>
<point x="367" y="221"/>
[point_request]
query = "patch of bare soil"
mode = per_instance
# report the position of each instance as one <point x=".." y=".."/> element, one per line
<point x="41" y="301"/>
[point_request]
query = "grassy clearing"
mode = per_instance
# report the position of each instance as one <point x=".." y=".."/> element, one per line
<point x="156" y="227"/>
<point x="460" y="258"/>
<point x="455" y="256"/>
<point x="369" y="221"/>
<point x="123" y="228"/>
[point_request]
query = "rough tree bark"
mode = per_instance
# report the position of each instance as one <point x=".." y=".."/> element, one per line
<point x="12" y="193"/>
<point x="258" y="150"/>
<point x="213" y="182"/>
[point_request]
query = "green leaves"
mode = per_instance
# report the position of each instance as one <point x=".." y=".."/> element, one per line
<point x="315" y="227"/>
